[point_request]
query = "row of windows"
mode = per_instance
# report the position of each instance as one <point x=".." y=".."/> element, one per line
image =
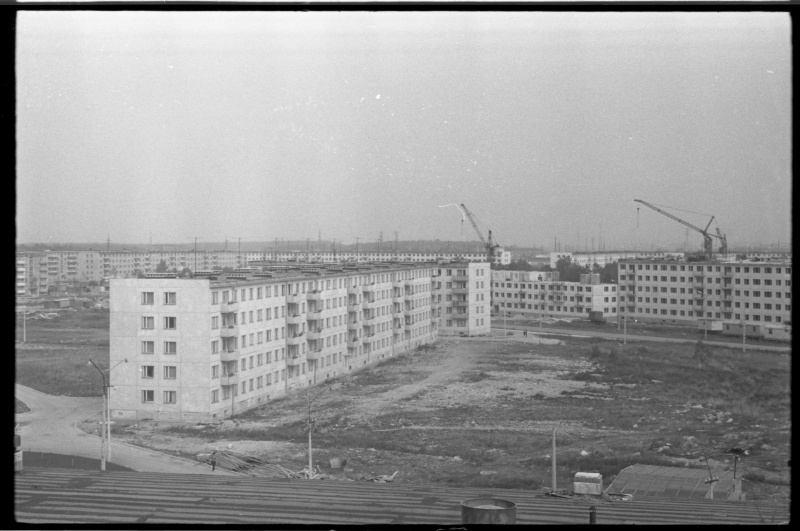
<point x="170" y="371"/>
<point x="170" y="397"/>
<point x="149" y="322"/>
<point x="555" y="287"/>
<point x="709" y="280"/>
<point x="170" y="298"/>
<point x="737" y="269"/>
<point x="552" y="308"/>
<point x="149" y="347"/>
<point x="718" y="292"/>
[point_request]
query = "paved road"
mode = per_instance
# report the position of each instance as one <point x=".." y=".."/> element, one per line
<point x="498" y="326"/>
<point x="51" y="426"/>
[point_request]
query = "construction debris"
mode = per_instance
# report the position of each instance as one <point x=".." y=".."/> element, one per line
<point x="379" y="479"/>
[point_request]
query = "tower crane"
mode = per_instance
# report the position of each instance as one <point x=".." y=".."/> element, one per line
<point x="489" y="244"/>
<point x="708" y="246"/>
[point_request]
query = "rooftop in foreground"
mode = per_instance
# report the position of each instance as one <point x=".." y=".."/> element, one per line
<point x="81" y="497"/>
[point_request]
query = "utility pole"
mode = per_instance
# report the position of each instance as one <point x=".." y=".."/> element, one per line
<point x="308" y="256"/>
<point x="395" y="245"/>
<point x="195" y="254"/>
<point x="356" y="248"/>
<point x="380" y="241"/>
<point x="553" y="464"/>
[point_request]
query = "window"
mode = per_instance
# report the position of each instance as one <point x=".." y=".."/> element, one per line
<point x="148" y="371"/>
<point x="214" y="372"/>
<point x="215" y="347"/>
<point x="148" y="347"/>
<point x="215" y="396"/>
<point x="170" y="372"/>
<point x="170" y="322"/>
<point x="170" y="347"/>
<point x="170" y="397"/>
<point x="148" y="395"/>
<point x="148" y="323"/>
<point x="214" y="297"/>
<point x="147" y="297"/>
<point x="170" y="297"/>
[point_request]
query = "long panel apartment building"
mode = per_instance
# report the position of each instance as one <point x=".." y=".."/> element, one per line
<point x="40" y="273"/>
<point x="540" y="294"/>
<point x="685" y="292"/>
<point x="205" y="348"/>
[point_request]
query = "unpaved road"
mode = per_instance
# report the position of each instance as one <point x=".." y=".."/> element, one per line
<point x="51" y="426"/>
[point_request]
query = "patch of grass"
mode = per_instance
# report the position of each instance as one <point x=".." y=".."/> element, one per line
<point x="61" y="372"/>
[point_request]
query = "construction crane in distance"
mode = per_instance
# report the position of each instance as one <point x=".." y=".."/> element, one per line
<point x="488" y="244"/>
<point x="708" y="243"/>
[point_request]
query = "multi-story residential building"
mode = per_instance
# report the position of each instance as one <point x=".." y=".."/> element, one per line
<point x="210" y="347"/>
<point x="602" y="258"/>
<point x="461" y="298"/>
<point x="536" y="294"/>
<point x="684" y="292"/>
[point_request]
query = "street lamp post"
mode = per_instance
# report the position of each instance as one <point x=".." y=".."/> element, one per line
<point x="310" y="429"/>
<point x="105" y="446"/>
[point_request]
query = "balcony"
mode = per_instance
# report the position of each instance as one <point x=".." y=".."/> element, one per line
<point x="353" y="290"/>
<point x="368" y="304"/>
<point x="295" y="319"/>
<point x="295" y="298"/>
<point x="461" y="316"/>
<point x="295" y="340"/>
<point x="314" y="295"/>
<point x="369" y="288"/>
<point x="398" y="284"/>
<point x="229" y="331"/>
<point x="313" y="333"/>
<point x="460" y="278"/>
<point x="698" y="294"/>
<point x="354" y="325"/>
<point x="354" y="307"/>
<point x="462" y="304"/>
<point x="460" y="291"/>
<point x="230" y="306"/>
<point x="229" y="379"/>
<point x="295" y="360"/>
<point x="353" y="342"/>
<point x="313" y="355"/>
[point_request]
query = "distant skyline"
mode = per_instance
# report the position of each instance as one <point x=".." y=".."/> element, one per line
<point x="271" y="124"/>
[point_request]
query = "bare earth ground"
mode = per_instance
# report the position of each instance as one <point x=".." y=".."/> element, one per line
<point x="480" y="412"/>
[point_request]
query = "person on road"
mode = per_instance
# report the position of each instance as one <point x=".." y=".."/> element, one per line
<point x="213" y="460"/>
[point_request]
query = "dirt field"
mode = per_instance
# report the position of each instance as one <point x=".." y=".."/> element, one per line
<point x="480" y="412"/>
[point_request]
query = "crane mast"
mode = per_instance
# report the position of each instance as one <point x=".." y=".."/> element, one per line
<point x="489" y="244"/>
<point x="708" y="246"/>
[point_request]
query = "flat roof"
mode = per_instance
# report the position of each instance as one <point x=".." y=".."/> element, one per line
<point x="83" y="496"/>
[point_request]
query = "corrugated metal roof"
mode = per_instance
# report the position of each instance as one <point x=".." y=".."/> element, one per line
<point x="80" y="496"/>
<point x="670" y="482"/>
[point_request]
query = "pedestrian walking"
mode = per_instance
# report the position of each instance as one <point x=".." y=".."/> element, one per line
<point x="213" y="460"/>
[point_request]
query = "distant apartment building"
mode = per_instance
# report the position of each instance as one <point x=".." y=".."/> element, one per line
<point x="669" y="292"/>
<point x="602" y="258"/>
<point x="50" y="272"/>
<point x="461" y="298"/>
<point x="205" y="348"/>
<point x="537" y="294"/>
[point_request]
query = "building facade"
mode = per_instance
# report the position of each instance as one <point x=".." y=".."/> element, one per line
<point x="205" y="348"/>
<point x="53" y="271"/>
<point x="461" y="298"/>
<point x="538" y="294"/>
<point x="602" y="258"/>
<point x="681" y="293"/>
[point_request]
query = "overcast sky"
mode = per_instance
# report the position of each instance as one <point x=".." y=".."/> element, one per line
<point x="281" y="125"/>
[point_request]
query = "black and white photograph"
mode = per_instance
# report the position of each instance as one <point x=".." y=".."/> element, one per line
<point x="439" y="266"/>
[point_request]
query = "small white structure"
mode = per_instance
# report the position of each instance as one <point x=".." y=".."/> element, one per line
<point x="588" y="483"/>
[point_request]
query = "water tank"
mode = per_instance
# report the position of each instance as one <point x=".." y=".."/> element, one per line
<point x="488" y="511"/>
